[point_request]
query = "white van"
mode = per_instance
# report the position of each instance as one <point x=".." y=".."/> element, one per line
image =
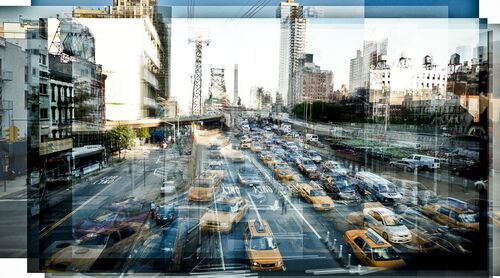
<point x="382" y="189"/>
<point x="423" y="162"/>
<point x="286" y="128"/>
<point x="311" y="137"/>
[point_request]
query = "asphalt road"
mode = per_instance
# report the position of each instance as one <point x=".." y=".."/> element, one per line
<point x="305" y="236"/>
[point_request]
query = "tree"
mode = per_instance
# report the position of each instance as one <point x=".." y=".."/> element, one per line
<point x="122" y="137"/>
<point x="143" y="133"/>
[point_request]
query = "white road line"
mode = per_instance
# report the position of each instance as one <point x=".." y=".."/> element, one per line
<point x="286" y="198"/>
<point x="13" y="200"/>
<point x="45" y="233"/>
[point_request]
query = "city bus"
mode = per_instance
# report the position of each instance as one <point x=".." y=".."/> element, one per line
<point x="79" y="162"/>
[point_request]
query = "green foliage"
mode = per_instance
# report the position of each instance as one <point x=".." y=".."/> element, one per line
<point x="143" y="133"/>
<point x="122" y="137"/>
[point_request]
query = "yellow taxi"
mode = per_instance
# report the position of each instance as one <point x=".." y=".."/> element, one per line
<point x="204" y="188"/>
<point x="265" y="157"/>
<point x="261" y="247"/>
<point x="451" y="216"/>
<point x="316" y="196"/>
<point x="283" y="173"/>
<point x="105" y="244"/>
<point x="245" y="143"/>
<point x="372" y="250"/>
<point x="223" y="214"/>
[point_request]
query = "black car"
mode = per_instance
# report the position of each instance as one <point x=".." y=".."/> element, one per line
<point x="340" y="187"/>
<point x="165" y="215"/>
<point x="474" y="171"/>
<point x="170" y="250"/>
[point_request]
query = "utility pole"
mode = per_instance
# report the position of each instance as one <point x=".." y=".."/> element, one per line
<point x="196" y="97"/>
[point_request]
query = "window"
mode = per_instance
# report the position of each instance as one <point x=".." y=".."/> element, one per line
<point x="42" y="59"/>
<point x="359" y="242"/>
<point x="44" y="113"/>
<point x="33" y="72"/>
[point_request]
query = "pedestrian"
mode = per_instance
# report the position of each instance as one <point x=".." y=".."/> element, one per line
<point x="153" y="209"/>
<point x="283" y="204"/>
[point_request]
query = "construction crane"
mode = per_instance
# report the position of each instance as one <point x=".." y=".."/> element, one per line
<point x="196" y="100"/>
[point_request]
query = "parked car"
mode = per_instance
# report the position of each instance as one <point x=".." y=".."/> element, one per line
<point x="404" y="165"/>
<point x="384" y="190"/>
<point x="424" y="162"/>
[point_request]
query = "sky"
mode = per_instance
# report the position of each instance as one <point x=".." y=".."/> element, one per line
<point x="254" y="45"/>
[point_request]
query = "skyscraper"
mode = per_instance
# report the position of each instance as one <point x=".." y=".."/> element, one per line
<point x="292" y="47"/>
<point x="235" y="90"/>
<point x="359" y="68"/>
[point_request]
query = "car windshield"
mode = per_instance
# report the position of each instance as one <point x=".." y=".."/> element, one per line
<point x="93" y="239"/>
<point x="263" y="243"/>
<point x="385" y="254"/>
<point x="392" y="220"/>
<point x="216" y="167"/>
<point x="222" y="207"/>
<point x="469" y="217"/>
<point x="387" y="188"/>
<point x="165" y="210"/>
<point x="203" y="184"/>
<point x="341" y="182"/>
<point x="308" y="162"/>
<point x="317" y="192"/>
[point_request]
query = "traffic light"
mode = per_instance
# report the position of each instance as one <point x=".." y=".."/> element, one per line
<point x="12" y="133"/>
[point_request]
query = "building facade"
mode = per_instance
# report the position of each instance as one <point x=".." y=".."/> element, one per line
<point x="391" y="85"/>
<point x="133" y="70"/>
<point x="315" y="84"/>
<point x="292" y="47"/>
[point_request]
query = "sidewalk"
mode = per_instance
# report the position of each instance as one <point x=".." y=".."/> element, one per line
<point x="13" y="187"/>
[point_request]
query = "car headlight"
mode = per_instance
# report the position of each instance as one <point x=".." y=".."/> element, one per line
<point x="255" y="264"/>
<point x="280" y="262"/>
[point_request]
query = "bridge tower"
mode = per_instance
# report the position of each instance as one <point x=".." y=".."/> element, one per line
<point x="196" y="99"/>
<point x="217" y="90"/>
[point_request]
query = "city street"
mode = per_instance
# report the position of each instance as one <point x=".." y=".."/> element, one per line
<point x="310" y="242"/>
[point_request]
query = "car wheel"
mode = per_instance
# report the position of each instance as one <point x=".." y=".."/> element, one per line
<point x="385" y="236"/>
<point x="425" y="168"/>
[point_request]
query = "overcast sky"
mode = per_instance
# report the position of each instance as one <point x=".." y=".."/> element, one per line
<point x="254" y="45"/>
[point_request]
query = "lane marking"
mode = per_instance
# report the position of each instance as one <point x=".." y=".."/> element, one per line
<point x="286" y="197"/>
<point x="46" y="232"/>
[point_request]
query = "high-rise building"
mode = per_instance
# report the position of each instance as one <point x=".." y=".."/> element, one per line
<point x="235" y="84"/>
<point x="360" y="66"/>
<point x="355" y="72"/>
<point x="292" y="47"/>
<point x="132" y="69"/>
<point x="314" y="84"/>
